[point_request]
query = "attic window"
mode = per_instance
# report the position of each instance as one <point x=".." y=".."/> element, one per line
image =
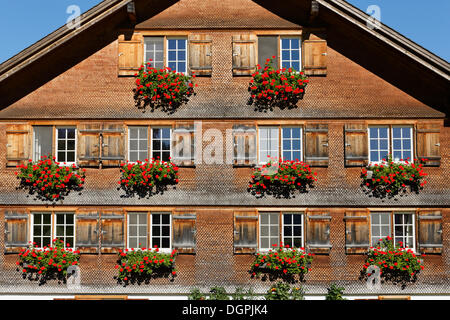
<point x="154" y="50"/>
<point x="177" y="54"/>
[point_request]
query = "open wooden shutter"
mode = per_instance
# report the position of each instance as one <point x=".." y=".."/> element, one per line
<point x="184" y="231"/>
<point x="16" y="230"/>
<point x="130" y="54"/>
<point x="183" y="142"/>
<point x="245" y="231"/>
<point x="318" y="232"/>
<point x="87" y="230"/>
<point x="428" y="144"/>
<point x="200" y="51"/>
<point x="17" y="144"/>
<point x="113" y="230"/>
<point x="356" y="145"/>
<point x="244" y="145"/>
<point x="315" y="54"/>
<point x="113" y="144"/>
<point x="244" y="54"/>
<point x="89" y="144"/>
<point x="357" y="226"/>
<point x="430" y="232"/>
<point x="316" y="145"/>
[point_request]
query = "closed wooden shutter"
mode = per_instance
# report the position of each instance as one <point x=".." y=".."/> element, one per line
<point x="87" y="230"/>
<point x="357" y="232"/>
<point x="315" y="54"/>
<point x="89" y="144"/>
<point x="130" y="54"/>
<point x="244" y="54"/>
<point x="430" y="231"/>
<point x="200" y="52"/>
<point x="428" y="144"/>
<point x="17" y="144"/>
<point x="316" y="145"/>
<point x="183" y="144"/>
<point x="112" y="230"/>
<point x="16" y="230"/>
<point x="318" y="232"/>
<point x="245" y="231"/>
<point x="184" y="231"/>
<point x="356" y="145"/>
<point x="244" y="145"/>
<point x="113" y="144"/>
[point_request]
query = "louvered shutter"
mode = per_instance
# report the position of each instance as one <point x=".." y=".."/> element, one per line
<point x="356" y="145"/>
<point x="113" y="144"/>
<point x="184" y="231"/>
<point x="316" y="145"/>
<point x="16" y="230"/>
<point x="112" y="230"/>
<point x="318" y="232"/>
<point x="183" y="144"/>
<point x="89" y="144"/>
<point x="244" y="54"/>
<point x="17" y="144"/>
<point x="357" y="226"/>
<point x="430" y="232"/>
<point x="87" y="230"/>
<point x="428" y="144"/>
<point x="130" y="54"/>
<point x="315" y="54"/>
<point x="200" y="52"/>
<point x="244" y="145"/>
<point x="245" y="231"/>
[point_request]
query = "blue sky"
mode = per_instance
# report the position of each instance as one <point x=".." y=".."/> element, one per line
<point x="22" y="23"/>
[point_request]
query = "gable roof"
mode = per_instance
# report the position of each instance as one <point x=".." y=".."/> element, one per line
<point x="103" y="21"/>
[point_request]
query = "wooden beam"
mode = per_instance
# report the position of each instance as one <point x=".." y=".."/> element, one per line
<point x="131" y="10"/>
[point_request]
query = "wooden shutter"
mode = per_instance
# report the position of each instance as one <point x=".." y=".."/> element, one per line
<point x="17" y="144"/>
<point x="245" y="231"/>
<point x="428" y="144"/>
<point x="356" y="145"/>
<point x="318" y="232"/>
<point x="16" y="230"/>
<point x="244" y="54"/>
<point x="130" y="54"/>
<point x="357" y="226"/>
<point x="112" y="230"/>
<point x="183" y="141"/>
<point x="89" y="144"/>
<point x="184" y="231"/>
<point x="316" y="145"/>
<point x="430" y="231"/>
<point x="244" y="145"/>
<point x="200" y="51"/>
<point x="87" y="230"/>
<point x="113" y="144"/>
<point x="314" y="54"/>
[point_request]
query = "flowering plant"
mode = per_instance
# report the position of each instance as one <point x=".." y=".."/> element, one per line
<point x="48" y="180"/>
<point x="163" y="88"/>
<point x="271" y="88"/>
<point x="142" y="264"/>
<point x="283" y="291"/>
<point x="47" y="263"/>
<point x="391" y="178"/>
<point x="397" y="263"/>
<point x="147" y="178"/>
<point x="281" y="178"/>
<point x="282" y="262"/>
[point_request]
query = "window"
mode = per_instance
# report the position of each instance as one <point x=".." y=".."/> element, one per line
<point x="290" y="53"/>
<point x="290" y="143"/>
<point x="154" y="50"/>
<point x="137" y="143"/>
<point x="396" y="140"/>
<point x="161" y="142"/>
<point x="398" y="225"/>
<point x="177" y="54"/>
<point x="287" y="48"/>
<point x="166" y="52"/>
<point x="42" y="141"/>
<point x="268" y="143"/>
<point x="160" y="226"/>
<point x="66" y="145"/>
<point x="271" y="231"/>
<point x="46" y="228"/>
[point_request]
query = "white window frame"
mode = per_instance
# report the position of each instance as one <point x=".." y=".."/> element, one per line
<point x="170" y="141"/>
<point x="277" y="156"/>
<point x="291" y="139"/>
<point x="138" y="150"/>
<point x="262" y="249"/>
<point x="379" y="225"/>
<point x="72" y="244"/>
<point x="411" y="139"/>
<point x="53" y="223"/>
<point x="57" y="149"/>
<point x="302" y="225"/>
<point x="176" y="50"/>
<point x="138" y="225"/>
<point x="163" y="50"/>
<point x="300" y="51"/>
<point x="164" y="250"/>
<point x="378" y="139"/>
<point x="413" y="224"/>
